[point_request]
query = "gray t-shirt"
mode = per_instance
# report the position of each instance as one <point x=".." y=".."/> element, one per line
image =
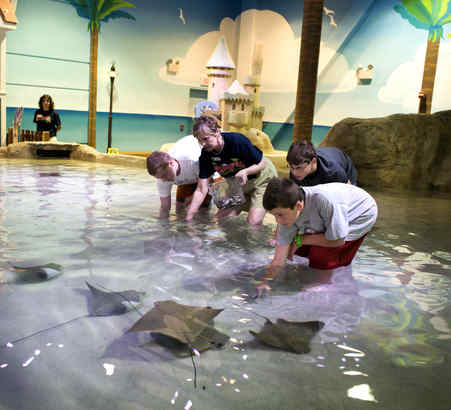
<point x="338" y="210"/>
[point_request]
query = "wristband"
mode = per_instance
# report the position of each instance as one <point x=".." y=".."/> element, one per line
<point x="298" y="240"/>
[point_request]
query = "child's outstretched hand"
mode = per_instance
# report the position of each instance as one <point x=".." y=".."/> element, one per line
<point x="262" y="289"/>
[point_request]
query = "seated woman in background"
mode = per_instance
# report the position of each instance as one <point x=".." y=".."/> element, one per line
<point x="46" y="118"/>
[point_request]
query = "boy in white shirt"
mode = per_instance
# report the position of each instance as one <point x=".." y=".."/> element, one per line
<point x="179" y="166"/>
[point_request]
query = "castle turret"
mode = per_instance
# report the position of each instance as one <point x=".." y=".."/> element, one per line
<point x="252" y="87"/>
<point x="219" y="67"/>
<point x="236" y="107"/>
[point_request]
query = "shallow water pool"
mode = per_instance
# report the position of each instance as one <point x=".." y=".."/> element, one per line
<point x="385" y="343"/>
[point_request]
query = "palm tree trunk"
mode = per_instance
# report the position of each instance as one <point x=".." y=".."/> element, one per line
<point x="430" y="67"/>
<point x="308" y="69"/>
<point x="93" y="87"/>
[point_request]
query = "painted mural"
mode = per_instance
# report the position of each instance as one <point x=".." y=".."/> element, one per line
<point x="371" y="63"/>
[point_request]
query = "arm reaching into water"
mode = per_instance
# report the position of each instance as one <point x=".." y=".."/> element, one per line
<point x="277" y="264"/>
<point x="165" y="206"/>
<point x="198" y="197"/>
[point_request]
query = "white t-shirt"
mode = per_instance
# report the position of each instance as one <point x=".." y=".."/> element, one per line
<point x="186" y="148"/>
<point x="186" y="151"/>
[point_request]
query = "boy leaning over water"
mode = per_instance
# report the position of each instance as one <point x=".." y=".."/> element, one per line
<point x="324" y="223"/>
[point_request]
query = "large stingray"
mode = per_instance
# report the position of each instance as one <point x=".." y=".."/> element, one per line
<point x="105" y="302"/>
<point x="292" y="336"/>
<point x="182" y="328"/>
<point x="34" y="274"/>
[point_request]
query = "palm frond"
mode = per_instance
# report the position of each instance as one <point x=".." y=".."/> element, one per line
<point x="119" y="14"/>
<point x="418" y="10"/>
<point x="445" y="20"/>
<point x="411" y="19"/>
<point x="112" y="5"/>
<point x="439" y="10"/>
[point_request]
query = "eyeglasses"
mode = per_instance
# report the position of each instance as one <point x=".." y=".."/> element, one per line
<point x="300" y="167"/>
<point x="203" y="140"/>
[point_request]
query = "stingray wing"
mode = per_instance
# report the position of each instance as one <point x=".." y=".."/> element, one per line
<point x="105" y="303"/>
<point x="286" y="335"/>
<point x="182" y="322"/>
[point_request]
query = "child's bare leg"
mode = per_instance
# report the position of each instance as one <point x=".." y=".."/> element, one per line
<point x="255" y="216"/>
<point x="226" y="213"/>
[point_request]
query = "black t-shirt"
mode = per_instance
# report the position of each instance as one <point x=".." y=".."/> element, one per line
<point x="333" y="165"/>
<point x="238" y="153"/>
<point x="43" y="125"/>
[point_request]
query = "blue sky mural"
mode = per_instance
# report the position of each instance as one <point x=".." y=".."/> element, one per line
<point x="49" y="52"/>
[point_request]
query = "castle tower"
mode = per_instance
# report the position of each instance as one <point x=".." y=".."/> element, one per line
<point x="219" y="68"/>
<point x="252" y="86"/>
<point x="236" y="107"/>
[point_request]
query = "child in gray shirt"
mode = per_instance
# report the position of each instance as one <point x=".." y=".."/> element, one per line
<point x="324" y="223"/>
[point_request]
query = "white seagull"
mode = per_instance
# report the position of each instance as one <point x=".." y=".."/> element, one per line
<point x="181" y="16"/>
<point x="327" y="11"/>
<point x="332" y="21"/>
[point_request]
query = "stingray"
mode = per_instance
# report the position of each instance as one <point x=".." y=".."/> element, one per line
<point x="182" y="328"/>
<point x="292" y="336"/>
<point x="105" y="302"/>
<point x="38" y="273"/>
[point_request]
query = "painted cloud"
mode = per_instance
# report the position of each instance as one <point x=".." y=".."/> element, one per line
<point x="280" y="55"/>
<point x="404" y="82"/>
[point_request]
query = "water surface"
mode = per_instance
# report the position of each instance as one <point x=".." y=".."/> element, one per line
<point x="386" y="340"/>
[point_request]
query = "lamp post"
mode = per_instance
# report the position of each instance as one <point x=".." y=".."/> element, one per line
<point x="112" y="74"/>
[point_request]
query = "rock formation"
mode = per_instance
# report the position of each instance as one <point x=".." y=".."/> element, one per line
<point x="69" y="150"/>
<point x="402" y="151"/>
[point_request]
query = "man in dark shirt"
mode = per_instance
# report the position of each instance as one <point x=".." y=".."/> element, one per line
<point x="310" y="166"/>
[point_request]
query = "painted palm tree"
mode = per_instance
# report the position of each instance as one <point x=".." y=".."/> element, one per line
<point x="308" y="69"/>
<point x="430" y="15"/>
<point x="97" y="12"/>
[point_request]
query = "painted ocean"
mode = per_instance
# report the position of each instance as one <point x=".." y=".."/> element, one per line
<point x="144" y="132"/>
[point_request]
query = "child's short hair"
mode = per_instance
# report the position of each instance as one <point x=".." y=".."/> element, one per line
<point x="301" y="152"/>
<point x="282" y="193"/>
<point x="205" y="121"/>
<point x="156" y="160"/>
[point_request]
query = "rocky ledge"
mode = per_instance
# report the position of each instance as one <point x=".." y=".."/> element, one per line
<point x="68" y="150"/>
<point x="402" y="151"/>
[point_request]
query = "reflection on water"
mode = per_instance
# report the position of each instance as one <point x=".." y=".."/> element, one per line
<point x="387" y="317"/>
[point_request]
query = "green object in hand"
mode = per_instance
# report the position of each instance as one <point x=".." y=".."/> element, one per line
<point x="299" y="240"/>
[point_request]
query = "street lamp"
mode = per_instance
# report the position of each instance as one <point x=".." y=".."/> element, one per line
<point x="112" y="74"/>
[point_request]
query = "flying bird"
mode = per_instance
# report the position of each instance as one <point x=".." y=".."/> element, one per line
<point x="327" y="11"/>
<point x="332" y="20"/>
<point x="181" y="16"/>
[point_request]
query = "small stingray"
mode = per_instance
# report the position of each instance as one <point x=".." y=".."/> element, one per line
<point x="104" y="303"/>
<point x="107" y="303"/>
<point x="292" y="336"/>
<point x="182" y="328"/>
<point x="39" y="273"/>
